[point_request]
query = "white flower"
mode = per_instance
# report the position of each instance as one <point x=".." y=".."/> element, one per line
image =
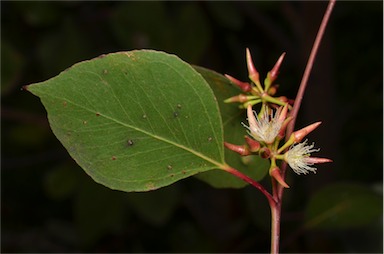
<point x="298" y="158"/>
<point x="265" y="128"/>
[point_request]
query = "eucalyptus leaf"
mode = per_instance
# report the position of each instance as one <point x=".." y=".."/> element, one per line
<point x="135" y="121"/>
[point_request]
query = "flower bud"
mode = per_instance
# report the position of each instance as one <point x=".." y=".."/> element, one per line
<point x="275" y="173"/>
<point x="283" y="99"/>
<point x="254" y="146"/>
<point x="237" y="98"/>
<point x="253" y="73"/>
<point x="300" y="134"/>
<point x="284" y="127"/>
<point x="283" y="113"/>
<point x="316" y="160"/>
<point x="242" y="150"/>
<point x="244" y="86"/>
<point x="273" y="90"/>
<point x="275" y="70"/>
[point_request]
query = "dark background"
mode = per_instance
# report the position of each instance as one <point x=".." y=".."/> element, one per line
<point x="48" y="203"/>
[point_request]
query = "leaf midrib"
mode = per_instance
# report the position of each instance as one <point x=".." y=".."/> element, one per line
<point x="198" y="154"/>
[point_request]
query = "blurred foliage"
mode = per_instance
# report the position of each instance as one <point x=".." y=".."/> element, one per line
<point x="50" y="205"/>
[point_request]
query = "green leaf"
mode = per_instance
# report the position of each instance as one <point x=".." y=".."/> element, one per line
<point x="342" y="206"/>
<point x="234" y="132"/>
<point x="135" y="121"/>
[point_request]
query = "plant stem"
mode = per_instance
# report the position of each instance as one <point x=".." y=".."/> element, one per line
<point x="275" y="227"/>
<point x="304" y="81"/>
<point x="238" y="174"/>
<point x="278" y="190"/>
<point x="309" y="66"/>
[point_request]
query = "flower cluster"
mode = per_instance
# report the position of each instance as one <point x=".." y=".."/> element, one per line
<point x="254" y="92"/>
<point x="267" y="128"/>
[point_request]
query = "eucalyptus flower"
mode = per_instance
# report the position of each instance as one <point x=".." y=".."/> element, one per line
<point x="266" y="128"/>
<point x="298" y="158"/>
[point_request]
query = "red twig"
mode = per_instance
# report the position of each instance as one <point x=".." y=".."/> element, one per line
<point x="255" y="184"/>
<point x="309" y="66"/>
<point x="278" y="195"/>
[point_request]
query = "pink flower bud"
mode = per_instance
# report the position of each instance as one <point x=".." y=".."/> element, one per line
<point x="300" y="134"/>
<point x="242" y="150"/>
<point x="282" y="98"/>
<point x="237" y="98"/>
<point x="253" y="73"/>
<point x="284" y="127"/>
<point x="275" y="70"/>
<point x="283" y="113"/>
<point x="254" y="146"/>
<point x="275" y="173"/>
<point x="316" y="160"/>
<point x="244" y="86"/>
<point x="273" y="89"/>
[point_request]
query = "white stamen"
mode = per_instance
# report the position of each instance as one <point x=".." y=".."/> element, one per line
<point x="298" y="158"/>
<point x="265" y="128"/>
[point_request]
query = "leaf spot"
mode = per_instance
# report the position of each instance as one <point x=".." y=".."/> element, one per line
<point x="184" y="172"/>
<point x="64" y="103"/>
<point x="150" y="186"/>
<point x="179" y="106"/>
<point x="145" y="116"/>
<point x="210" y="139"/>
<point x="114" y="158"/>
<point x="97" y="114"/>
<point x="169" y="167"/>
<point x="85" y="122"/>
<point x="175" y="114"/>
<point x="130" y="142"/>
<point x="130" y="55"/>
<point x="105" y="72"/>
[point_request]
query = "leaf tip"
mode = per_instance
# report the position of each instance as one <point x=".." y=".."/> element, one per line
<point x="25" y="88"/>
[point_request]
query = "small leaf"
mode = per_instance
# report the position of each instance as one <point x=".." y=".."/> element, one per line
<point x="342" y="206"/>
<point x="135" y="121"/>
<point x="234" y="132"/>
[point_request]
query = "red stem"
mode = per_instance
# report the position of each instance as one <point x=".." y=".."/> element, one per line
<point x="278" y="192"/>
<point x="309" y="66"/>
<point x="304" y="81"/>
<point x="255" y="184"/>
